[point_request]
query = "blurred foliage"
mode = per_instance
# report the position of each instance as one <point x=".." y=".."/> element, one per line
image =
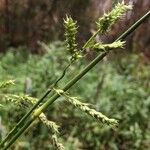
<point x="27" y="21"/>
<point x="119" y="88"/>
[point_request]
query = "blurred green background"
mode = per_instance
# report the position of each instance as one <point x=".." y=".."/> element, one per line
<point x="118" y="86"/>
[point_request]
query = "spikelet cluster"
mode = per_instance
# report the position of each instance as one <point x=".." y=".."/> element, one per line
<point x="54" y="129"/>
<point x="20" y="101"/>
<point x="50" y="124"/>
<point x="5" y="84"/>
<point x="85" y="108"/>
<point x="56" y="144"/>
<point x="70" y="37"/>
<point x="108" y="47"/>
<point x="26" y="101"/>
<point x="105" y="23"/>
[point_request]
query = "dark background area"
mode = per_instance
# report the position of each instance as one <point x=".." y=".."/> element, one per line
<point x="27" y="21"/>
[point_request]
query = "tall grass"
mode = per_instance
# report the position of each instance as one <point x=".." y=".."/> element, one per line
<point x="104" y="24"/>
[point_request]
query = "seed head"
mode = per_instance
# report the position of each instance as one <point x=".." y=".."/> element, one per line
<point x="70" y="36"/>
<point x="104" y="23"/>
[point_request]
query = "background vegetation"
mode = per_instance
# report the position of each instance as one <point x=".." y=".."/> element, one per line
<point x="119" y="86"/>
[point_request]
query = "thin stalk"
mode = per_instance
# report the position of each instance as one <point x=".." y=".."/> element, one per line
<point x="14" y="130"/>
<point x="52" y="99"/>
<point x="23" y="119"/>
<point x="91" y="38"/>
<point x="72" y="82"/>
<point x="134" y="26"/>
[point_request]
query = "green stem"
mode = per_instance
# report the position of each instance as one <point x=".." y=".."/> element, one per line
<point x="14" y="130"/>
<point x="91" y="38"/>
<point x="20" y="123"/>
<point x="72" y="82"/>
<point x="134" y="26"/>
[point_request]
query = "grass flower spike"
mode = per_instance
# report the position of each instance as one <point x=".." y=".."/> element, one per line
<point x="107" y="47"/>
<point x="92" y="112"/>
<point x="85" y="108"/>
<point x="26" y="101"/>
<point x="105" y="23"/>
<point x="70" y="36"/>
<point x="57" y="145"/>
<point x="6" y="84"/>
<point x="50" y="124"/>
<point x="53" y="127"/>
<point x="20" y="101"/>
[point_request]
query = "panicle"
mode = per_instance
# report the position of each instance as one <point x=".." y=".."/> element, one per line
<point x="104" y="23"/>
<point x="108" y="47"/>
<point x="6" y="83"/>
<point x="85" y="108"/>
<point x="70" y="37"/>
